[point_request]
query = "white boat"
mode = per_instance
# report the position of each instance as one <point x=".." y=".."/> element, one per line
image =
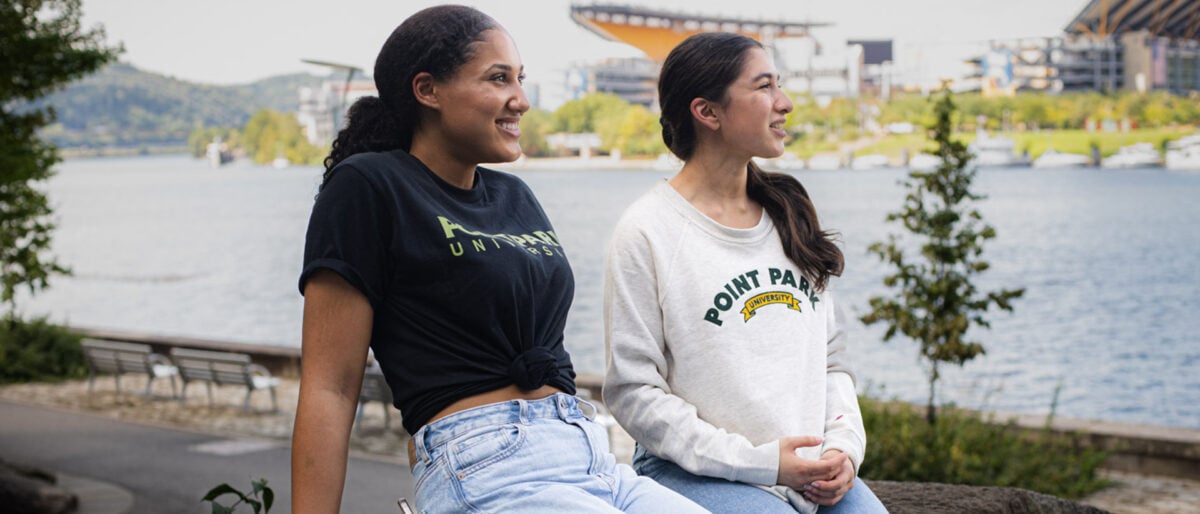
<point x="869" y="162"/>
<point x="995" y="151"/>
<point x="924" y="162"/>
<point x="1137" y="155"/>
<point x="1055" y="159"/>
<point x="824" y="162"/>
<point x="787" y="161"/>
<point x="1184" y="154"/>
<point x="217" y="152"/>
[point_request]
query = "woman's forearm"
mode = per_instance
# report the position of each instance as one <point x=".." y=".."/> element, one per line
<point x="320" y="443"/>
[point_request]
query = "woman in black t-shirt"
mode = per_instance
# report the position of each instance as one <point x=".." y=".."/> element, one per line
<point x="454" y="277"/>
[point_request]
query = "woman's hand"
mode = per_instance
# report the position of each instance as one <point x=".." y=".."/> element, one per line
<point x="830" y="491"/>
<point x="797" y="472"/>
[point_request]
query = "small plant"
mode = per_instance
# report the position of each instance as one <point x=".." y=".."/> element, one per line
<point x="965" y="447"/>
<point x="936" y="300"/>
<point x="260" y="499"/>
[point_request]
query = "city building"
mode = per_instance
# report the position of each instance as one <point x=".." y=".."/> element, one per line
<point x="635" y="80"/>
<point x="323" y="110"/>
<point x="1110" y="45"/>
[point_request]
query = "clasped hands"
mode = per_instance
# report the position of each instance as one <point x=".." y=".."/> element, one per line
<point x="824" y="481"/>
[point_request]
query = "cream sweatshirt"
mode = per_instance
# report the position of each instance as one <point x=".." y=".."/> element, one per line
<point x="718" y="346"/>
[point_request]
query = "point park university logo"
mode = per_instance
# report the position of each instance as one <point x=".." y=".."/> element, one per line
<point x="744" y="285"/>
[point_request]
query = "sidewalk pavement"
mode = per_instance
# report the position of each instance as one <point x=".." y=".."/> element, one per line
<point x="73" y="438"/>
<point x="121" y="467"/>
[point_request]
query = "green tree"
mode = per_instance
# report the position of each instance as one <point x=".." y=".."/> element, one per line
<point x="639" y="133"/>
<point x="535" y="126"/>
<point x="42" y="47"/>
<point x="586" y="114"/>
<point x="272" y="134"/>
<point x="937" y="303"/>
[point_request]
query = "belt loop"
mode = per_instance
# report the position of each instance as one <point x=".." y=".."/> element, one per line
<point x="595" y="410"/>
<point x="422" y="453"/>
<point x="523" y="410"/>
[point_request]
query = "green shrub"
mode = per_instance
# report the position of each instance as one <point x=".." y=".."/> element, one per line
<point x="964" y="448"/>
<point x="36" y="350"/>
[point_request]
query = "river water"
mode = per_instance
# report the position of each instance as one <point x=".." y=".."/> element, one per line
<point x="1108" y="258"/>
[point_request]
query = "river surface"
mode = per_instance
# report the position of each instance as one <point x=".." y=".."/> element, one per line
<point x="1108" y="258"/>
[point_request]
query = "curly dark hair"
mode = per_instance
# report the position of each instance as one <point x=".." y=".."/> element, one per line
<point x="438" y="41"/>
<point x="703" y="66"/>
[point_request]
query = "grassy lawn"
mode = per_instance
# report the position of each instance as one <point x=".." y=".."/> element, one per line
<point x="1069" y="141"/>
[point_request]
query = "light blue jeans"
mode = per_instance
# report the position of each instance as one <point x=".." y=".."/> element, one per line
<point x="529" y="456"/>
<point x="722" y="496"/>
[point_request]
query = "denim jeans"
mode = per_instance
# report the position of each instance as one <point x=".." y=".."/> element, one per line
<point x="529" y="456"/>
<point x="722" y="496"/>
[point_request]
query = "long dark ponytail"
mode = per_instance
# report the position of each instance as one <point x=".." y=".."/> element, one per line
<point x="703" y="66"/>
<point x="437" y="40"/>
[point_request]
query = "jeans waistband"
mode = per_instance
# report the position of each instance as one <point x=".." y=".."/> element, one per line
<point x="556" y="406"/>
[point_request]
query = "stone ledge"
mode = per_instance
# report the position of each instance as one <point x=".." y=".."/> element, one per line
<point x="927" y="498"/>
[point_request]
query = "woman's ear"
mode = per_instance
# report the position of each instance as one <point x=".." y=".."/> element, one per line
<point x="425" y="90"/>
<point x="705" y="113"/>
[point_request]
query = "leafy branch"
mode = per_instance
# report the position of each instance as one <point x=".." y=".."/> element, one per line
<point x="260" y="498"/>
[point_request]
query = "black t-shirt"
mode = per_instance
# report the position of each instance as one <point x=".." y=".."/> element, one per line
<point x="470" y="288"/>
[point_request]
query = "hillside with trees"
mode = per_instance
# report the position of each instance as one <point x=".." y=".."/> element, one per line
<point x="124" y="107"/>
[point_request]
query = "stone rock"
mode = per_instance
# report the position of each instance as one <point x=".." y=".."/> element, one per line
<point x="31" y="491"/>
<point x="929" y="498"/>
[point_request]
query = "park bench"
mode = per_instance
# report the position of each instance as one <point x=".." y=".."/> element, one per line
<point x="223" y="368"/>
<point x="121" y="358"/>
<point x="374" y="389"/>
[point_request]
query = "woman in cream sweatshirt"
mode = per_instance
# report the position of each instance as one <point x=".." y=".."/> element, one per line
<point x="726" y="352"/>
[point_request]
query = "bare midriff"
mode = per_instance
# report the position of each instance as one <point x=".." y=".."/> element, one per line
<point x="503" y="394"/>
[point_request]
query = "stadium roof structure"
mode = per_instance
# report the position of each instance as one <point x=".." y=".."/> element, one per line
<point x="655" y="32"/>
<point x="1179" y="19"/>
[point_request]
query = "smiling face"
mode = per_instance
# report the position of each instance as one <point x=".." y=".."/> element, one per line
<point x="480" y="106"/>
<point x="754" y="110"/>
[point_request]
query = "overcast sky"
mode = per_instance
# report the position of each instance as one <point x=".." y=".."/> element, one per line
<point x="239" y="41"/>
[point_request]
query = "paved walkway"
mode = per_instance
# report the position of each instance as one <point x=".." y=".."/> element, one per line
<point x="128" y="440"/>
<point x="122" y="467"/>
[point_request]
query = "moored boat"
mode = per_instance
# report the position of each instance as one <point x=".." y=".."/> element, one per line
<point x="1184" y="154"/>
<point x="1137" y="155"/>
<point x="1054" y="159"/>
<point x="824" y="162"/>
<point x="869" y="162"/>
<point x="924" y="162"/>
<point x="995" y="151"/>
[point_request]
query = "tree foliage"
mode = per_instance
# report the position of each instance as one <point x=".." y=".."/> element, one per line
<point x="122" y="106"/>
<point x="630" y="128"/>
<point x="42" y="47"/>
<point x="271" y="134"/>
<point x="260" y="498"/>
<point x="586" y="114"/>
<point x="1055" y="111"/>
<point x="936" y="302"/>
<point x="535" y="126"/>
